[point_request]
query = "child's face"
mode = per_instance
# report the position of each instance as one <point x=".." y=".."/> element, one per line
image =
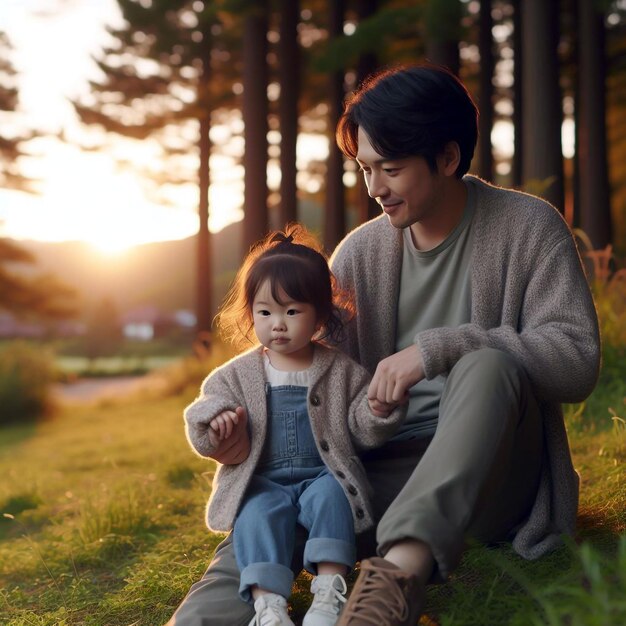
<point x="284" y="328"/>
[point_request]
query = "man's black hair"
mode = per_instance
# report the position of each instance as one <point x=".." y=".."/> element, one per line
<point x="411" y="111"/>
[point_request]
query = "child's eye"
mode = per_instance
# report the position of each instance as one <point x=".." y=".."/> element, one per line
<point x="390" y="170"/>
<point x="292" y="312"/>
<point x="263" y="313"/>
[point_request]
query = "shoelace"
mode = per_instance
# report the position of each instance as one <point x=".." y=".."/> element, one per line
<point x="269" y="616"/>
<point x="383" y="598"/>
<point x="330" y="598"/>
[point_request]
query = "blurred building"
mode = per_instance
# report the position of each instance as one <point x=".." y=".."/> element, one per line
<point x="149" y="322"/>
<point x="13" y="328"/>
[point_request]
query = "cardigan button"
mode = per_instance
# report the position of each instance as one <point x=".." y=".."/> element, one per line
<point x="315" y="401"/>
<point x="341" y="474"/>
<point x="360" y="513"/>
<point x="352" y="489"/>
<point x="324" y="445"/>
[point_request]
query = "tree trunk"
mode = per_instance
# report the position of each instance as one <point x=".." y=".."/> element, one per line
<point x="443" y="23"/>
<point x="485" y="101"/>
<point x="368" y="62"/>
<point x="204" y="272"/>
<point x="204" y="267"/>
<point x="541" y="100"/>
<point x="334" y="214"/>
<point x="255" y="112"/>
<point x="444" y="53"/>
<point x="289" y="63"/>
<point x="572" y="213"/>
<point x="595" y="202"/>
<point x="518" y="134"/>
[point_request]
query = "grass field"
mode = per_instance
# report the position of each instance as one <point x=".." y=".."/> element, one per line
<point x="101" y="523"/>
<point x="81" y="366"/>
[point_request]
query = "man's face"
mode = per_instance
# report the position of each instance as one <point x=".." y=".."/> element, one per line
<point x="406" y="189"/>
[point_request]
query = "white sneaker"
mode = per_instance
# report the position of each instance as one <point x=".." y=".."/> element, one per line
<point x="271" y="610"/>
<point x="328" y="600"/>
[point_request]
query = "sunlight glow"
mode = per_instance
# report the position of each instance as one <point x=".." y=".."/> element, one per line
<point x="112" y="247"/>
<point x="84" y="196"/>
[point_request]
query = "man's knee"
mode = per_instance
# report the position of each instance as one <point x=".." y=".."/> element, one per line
<point x="490" y="363"/>
<point x="487" y="374"/>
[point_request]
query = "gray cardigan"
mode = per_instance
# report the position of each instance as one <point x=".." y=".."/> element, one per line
<point x="340" y="418"/>
<point x="530" y="299"/>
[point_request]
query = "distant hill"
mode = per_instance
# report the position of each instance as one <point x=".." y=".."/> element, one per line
<point x="161" y="274"/>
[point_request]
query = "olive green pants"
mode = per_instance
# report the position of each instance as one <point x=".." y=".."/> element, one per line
<point x="477" y="477"/>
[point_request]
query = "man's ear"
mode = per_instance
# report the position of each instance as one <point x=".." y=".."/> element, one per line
<point x="449" y="159"/>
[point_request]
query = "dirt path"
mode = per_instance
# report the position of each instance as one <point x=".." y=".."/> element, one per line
<point x="92" y="389"/>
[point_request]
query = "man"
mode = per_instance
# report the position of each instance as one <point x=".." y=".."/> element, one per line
<point x="470" y="299"/>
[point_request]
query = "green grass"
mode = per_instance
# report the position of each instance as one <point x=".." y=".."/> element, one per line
<point x="133" y="357"/>
<point x="74" y="366"/>
<point x="103" y="525"/>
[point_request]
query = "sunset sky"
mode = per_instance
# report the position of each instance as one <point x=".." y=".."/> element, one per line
<point x="87" y="195"/>
<point x="84" y="195"/>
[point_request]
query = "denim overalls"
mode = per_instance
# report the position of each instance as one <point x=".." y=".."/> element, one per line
<point x="291" y="485"/>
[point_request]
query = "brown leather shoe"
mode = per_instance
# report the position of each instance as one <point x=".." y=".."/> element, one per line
<point x="383" y="595"/>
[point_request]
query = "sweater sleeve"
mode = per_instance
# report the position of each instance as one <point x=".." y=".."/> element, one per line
<point x="341" y="264"/>
<point x="216" y="396"/>
<point x="367" y="430"/>
<point x="365" y="263"/>
<point x="556" y="338"/>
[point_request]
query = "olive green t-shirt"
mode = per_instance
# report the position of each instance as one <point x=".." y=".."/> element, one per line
<point x="434" y="292"/>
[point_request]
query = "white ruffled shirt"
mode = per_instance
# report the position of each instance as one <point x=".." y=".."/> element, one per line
<point x="277" y="378"/>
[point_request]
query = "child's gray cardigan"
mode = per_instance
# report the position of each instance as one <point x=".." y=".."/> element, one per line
<point x="340" y="417"/>
<point x="529" y="299"/>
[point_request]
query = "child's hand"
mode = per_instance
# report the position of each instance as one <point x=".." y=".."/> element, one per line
<point x="383" y="409"/>
<point x="223" y="424"/>
<point x="378" y="408"/>
<point x="236" y="448"/>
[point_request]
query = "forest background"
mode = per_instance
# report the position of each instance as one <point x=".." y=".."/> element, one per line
<point x="248" y="93"/>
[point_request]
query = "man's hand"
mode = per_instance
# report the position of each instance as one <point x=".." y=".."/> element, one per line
<point x="395" y="375"/>
<point x="230" y="437"/>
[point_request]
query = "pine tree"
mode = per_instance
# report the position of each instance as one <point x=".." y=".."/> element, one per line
<point x="12" y="138"/>
<point x="542" y="113"/>
<point x="159" y="83"/>
<point x="594" y="192"/>
<point x="28" y="295"/>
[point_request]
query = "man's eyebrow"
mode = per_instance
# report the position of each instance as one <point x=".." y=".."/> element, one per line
<point x="377" y="161"/>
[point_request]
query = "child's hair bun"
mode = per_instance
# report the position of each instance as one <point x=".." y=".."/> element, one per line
<point x="280" y="237"/>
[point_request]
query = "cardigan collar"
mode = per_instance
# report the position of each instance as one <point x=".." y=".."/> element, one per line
<point x="323" y="357"/>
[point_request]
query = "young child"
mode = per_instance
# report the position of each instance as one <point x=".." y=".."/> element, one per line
<point x="308" y="416"/>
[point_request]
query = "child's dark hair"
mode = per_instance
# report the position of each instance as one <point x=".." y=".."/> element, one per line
<point x="411" y="111"/>
<point x="291" y="260"/>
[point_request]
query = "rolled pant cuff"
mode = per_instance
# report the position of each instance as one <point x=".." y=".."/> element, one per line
<point x="320" y="550"/>
<point x="269" y="576"/>
<point x="445" y="542"/>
